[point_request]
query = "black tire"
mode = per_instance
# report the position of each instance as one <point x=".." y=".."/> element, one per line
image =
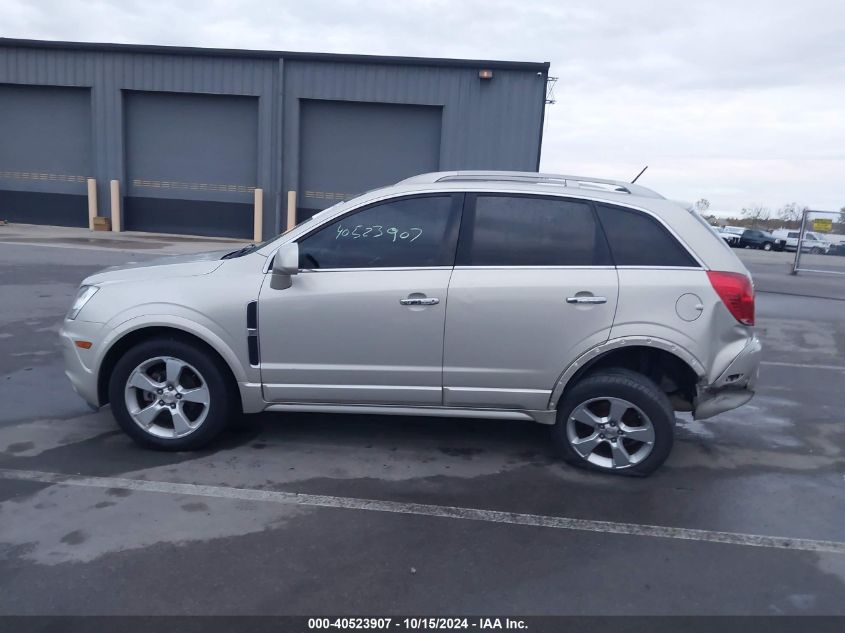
<point x="223" y="398"/>
<point x="816" y="250"/>
<point x="636" y="389"/>
<point x="767" y="246"/>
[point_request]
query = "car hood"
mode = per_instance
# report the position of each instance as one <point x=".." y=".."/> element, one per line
<point x="169" y="266"/>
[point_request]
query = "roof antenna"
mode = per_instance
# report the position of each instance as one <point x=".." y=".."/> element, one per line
<point x="639" y="174"/>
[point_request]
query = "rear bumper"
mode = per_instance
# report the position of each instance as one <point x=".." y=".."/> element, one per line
<point x="734" y="387"/>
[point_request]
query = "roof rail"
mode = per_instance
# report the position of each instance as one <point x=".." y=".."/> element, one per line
<point x="582" y="182"/>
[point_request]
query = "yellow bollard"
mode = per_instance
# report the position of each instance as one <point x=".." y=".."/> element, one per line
<point x="115" y="206"/>
<point x="291" y="210"/>
<point x="92" y="202"/>
<point x="258" y="222"/>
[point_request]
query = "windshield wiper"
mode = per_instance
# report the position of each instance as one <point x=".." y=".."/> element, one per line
<point x="241" y="251"/>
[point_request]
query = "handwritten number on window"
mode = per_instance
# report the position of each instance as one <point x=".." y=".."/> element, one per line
<point x="375" y="231"/>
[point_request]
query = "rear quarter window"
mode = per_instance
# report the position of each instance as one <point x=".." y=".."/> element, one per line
<point x="637" y="239"/>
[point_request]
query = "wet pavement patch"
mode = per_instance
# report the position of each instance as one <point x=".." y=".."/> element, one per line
<point x="196" y="506"/>
<point x="77" y="537"/>
<point x="461" y="452"/>
<point x="19" y="447"/>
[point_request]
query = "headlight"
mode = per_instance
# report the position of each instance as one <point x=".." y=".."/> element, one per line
<point x="82" y="297"/>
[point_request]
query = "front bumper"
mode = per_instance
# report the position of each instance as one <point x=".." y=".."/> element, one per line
<point x="80" y="364"/>
<point x="734" y="387"/>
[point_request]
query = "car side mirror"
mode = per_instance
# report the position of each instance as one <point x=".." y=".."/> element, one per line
<point x="285" y="264"/>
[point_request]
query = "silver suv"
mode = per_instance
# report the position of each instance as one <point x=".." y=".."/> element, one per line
<point x="596" y="307"/>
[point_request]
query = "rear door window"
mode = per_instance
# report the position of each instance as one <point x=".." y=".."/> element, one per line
<point x="637" y="239"/>
<point x="512" y="230"/>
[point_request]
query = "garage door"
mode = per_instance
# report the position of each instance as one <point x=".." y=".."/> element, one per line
<point x="347" y="148"/>
<point x="191" y="163"/>
<point x="45" y="154"/>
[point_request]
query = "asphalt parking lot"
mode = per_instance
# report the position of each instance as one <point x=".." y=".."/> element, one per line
<point x="416" y="515"/>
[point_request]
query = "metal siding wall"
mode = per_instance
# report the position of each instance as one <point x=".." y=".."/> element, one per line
<point x="48" y="68"/>
<point x="185" y="150"/>
<point x="201" y="75"/>
<point x="45" y="138"/>
<point x="108" y="74"/>
<point x="45" y="154"/>
<point x="191" y="146"/>
<point x="493" y="124"/>
<point x="347" y="148"/>
<point x="486" y="124"/>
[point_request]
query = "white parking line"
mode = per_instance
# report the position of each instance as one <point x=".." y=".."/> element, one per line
<point x="419" y="509"/>
<point x="803" y="365"/>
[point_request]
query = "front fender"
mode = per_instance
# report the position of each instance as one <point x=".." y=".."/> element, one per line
<point x="183" y="319"/>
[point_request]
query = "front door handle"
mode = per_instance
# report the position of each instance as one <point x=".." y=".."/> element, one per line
<point x="420" y="301"/>
<point x="586" y="299"/>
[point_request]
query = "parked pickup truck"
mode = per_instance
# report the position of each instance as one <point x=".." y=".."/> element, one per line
<point x="813" y="242"/>
<point x="739" y="237"/>
<point x="730" y="234"/>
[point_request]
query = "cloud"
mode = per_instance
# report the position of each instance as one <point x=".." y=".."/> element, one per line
<point x="739" y="102"/>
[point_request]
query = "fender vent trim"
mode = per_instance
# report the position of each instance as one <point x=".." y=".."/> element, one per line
<point x="252" y="333"/>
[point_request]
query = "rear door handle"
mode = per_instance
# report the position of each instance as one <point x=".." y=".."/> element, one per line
<point x="420" y="301"/>
<point x="587" y="299"/>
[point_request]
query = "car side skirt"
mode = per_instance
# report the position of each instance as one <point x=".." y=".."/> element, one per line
<point x="543" y="417"/>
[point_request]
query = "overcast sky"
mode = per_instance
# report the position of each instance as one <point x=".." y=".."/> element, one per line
<point x="740" y="101"/>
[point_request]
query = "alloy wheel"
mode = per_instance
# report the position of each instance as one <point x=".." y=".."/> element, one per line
<point x="167" y="397"/>
<point x="611" y="433"/>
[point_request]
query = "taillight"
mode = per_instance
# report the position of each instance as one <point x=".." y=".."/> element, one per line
<point x="736" y="292"/>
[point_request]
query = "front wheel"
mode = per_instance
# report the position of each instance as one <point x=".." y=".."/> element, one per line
<point x="617" y="421"/>
<point x="767" y="246"/>
<point x="170" y="395"/>
<point x="816" y="250"/>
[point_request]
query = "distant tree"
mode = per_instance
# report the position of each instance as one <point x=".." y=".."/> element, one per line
<point x="702" y="205"/>
<point x="790" y="212"/>
<point x="756" y="214"/>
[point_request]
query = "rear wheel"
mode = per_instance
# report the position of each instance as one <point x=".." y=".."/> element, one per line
<point x="170" y="395"/>
<point x="616" y="421"/>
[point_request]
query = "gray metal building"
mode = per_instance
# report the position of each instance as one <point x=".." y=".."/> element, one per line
<point x="210" y="142"/>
